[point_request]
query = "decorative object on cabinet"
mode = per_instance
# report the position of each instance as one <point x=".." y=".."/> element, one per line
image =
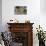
<point x="13" y="21"/>
<point x="20" y="10"/>
<point x="22" y="33"/>
<point x="27" y="21"/>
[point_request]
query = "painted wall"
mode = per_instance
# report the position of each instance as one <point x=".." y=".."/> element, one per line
<point x="34" y="14"/>
<point x="43" y="6"/>
<point x="0" y="15"/>
<point x="33" y="11"/>
<point x="43" y="14"/>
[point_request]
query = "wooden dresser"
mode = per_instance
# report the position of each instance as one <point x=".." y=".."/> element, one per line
<point x="22" y="33"/>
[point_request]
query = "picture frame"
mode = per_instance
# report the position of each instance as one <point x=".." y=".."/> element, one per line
<point x="20" y="10"/>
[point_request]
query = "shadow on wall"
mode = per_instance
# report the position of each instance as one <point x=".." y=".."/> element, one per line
<point x="43" y="6"/>
<point x="0" y="15"/>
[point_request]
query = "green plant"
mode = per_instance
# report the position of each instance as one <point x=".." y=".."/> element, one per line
<point x="40" y="34"/>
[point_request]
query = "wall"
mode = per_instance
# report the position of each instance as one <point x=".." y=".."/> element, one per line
<point x="34" y="14"/>
<point x="33" y="10"/>
<point x="43" y="6"/>
<point x="0" y="15"/>
<point x="43" y="14"/>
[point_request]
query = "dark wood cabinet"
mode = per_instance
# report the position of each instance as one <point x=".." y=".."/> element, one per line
<point x="22" y="33"/>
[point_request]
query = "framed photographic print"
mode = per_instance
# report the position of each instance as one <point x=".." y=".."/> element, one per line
<point x="20" y="10"/>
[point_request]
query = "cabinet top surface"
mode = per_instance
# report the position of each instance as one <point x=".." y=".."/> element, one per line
<point x="19" y="23"/>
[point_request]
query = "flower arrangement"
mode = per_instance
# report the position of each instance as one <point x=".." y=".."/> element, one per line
<point x="40" y="34"/>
